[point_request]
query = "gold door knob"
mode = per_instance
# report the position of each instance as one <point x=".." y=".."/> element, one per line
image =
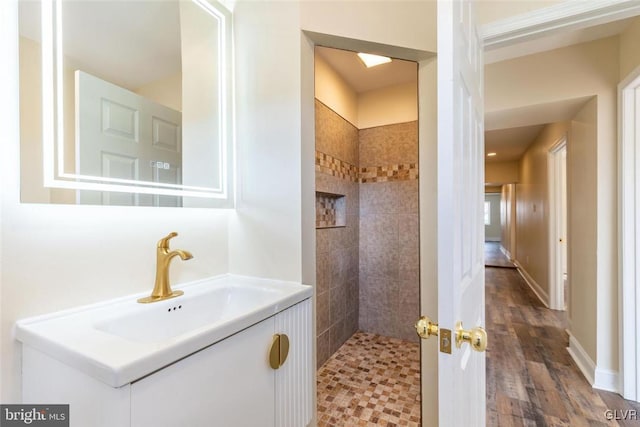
<point x="477" y="337"/>
<point x="426" y="328"/>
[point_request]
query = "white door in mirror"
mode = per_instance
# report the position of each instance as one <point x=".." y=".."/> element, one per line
<point x="123" y="135"/>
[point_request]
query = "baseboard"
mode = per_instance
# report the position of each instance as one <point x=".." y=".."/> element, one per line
<point x="582" y="359"/>
<point x="491" y="239"/>
<point x="533" y="285"/>
<point x="599" y="378"/>
<point x="606" y="379"/>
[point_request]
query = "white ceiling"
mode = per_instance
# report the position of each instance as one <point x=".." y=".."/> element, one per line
<point x="509" y="144"/>
<point x="362" y="79"/>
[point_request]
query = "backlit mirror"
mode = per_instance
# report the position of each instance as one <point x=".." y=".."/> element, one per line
<point x="126" y="102"/>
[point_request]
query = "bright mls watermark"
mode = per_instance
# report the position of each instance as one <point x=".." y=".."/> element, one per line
<point x="34" y="415"/>
<point x="621" y="415"/>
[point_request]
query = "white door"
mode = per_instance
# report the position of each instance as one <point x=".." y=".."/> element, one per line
<point x="122" y="135"/>
<point x="460" y="229"/>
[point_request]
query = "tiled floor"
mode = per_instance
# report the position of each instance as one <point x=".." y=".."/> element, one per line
<point x="370" y="381"/>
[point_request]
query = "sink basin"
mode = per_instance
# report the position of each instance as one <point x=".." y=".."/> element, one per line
<point x="189" y="313"/>
<point x="121" y="340"/>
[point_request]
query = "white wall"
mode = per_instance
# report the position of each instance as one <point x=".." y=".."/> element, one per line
<point x="494" y="10"/>
<point x="55" y="256"/>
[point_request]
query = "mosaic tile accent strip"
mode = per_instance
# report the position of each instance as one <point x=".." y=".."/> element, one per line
<point x="330" y="165"/>
<point x="335" y="167"/>
<point x="403" y="172"/>
<point x="370" y="381"/>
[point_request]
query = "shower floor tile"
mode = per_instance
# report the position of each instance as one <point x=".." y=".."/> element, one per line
<point x="370" y="381"/>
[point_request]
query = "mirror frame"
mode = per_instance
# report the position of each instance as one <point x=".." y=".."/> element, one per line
<point x="53" y="120"/>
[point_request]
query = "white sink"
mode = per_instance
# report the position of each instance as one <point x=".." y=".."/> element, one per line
<point x="120" y="341"/>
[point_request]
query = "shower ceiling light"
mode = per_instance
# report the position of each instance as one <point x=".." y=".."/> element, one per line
<point x="372" y="60"/>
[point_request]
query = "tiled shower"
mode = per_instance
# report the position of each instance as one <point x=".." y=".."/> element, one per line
<point x="366" y="230"/>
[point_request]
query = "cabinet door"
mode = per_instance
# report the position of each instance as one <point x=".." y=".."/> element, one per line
<point x="294" y="379"/>
<point x="227" y="384"/>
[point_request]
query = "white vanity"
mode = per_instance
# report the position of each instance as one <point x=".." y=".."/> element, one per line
<point x="202" y="359"/>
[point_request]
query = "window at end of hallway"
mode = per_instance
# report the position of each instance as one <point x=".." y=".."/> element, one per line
<point x="487" y="213"/>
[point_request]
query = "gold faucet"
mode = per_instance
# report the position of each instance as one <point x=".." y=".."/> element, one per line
<point x="162" y="288"/>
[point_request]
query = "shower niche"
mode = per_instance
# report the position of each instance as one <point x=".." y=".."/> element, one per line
<point x="331" y="210"/>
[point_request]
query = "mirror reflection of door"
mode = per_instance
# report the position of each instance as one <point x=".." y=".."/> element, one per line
<point x="125" y="137"/>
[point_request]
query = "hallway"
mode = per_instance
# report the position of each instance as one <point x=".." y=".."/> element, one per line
<point x="531" y="379"/>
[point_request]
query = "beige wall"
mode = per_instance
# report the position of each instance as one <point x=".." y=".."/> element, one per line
<point x="582" y="231"/>
<point x="532" y="215"/>
<point x="629" y="52"/>
<point x="166" y="91"/>
<point x="508" y="219"/>
<point x="334" y="92"/>
<point x="497" y="173"/>
<point x="380" y="107"/>
<point x="390" y="105"/>
<point x="584" y="70"/>
<point x="492" y="231"/>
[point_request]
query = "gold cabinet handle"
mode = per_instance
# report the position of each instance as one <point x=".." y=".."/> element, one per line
<point x="426" y="328"/>
<point x="477" y="337"/>
<point x="279" y="350"/>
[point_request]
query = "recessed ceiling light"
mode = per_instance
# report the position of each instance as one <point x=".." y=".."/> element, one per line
<point x="491" y="154"/>
<point x="372" y="60"/>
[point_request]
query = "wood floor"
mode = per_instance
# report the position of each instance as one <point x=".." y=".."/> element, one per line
<point x="493" y="256"/>
<point x="531" y="379"/>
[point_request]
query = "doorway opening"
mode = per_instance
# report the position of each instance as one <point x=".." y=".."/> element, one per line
<point x="367" y="240"/>
<point x="558" y="242"/>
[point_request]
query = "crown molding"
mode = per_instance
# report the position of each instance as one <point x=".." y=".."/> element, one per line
<point x="566" y="16"/>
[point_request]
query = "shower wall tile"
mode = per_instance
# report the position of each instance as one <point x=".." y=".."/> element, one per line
<point x="370" y="267"/>
<point x="338" y="303"/>
<point x="323" y="348"/>
<point x="335" y="136"/>
<point x="409" y="246"/>
<point x="408" y="309"/>
<point x="379" y="245"/>
<point x="338" y="334"/>
<point x="389" y="145"/>
<point x="408" y="196"/>
<point x="378" y="304"/>
<point x="323" y="317"/>
<point x="389" y="231"/>
<point x="323" y="272"/>
<point x="337" y="248"/>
